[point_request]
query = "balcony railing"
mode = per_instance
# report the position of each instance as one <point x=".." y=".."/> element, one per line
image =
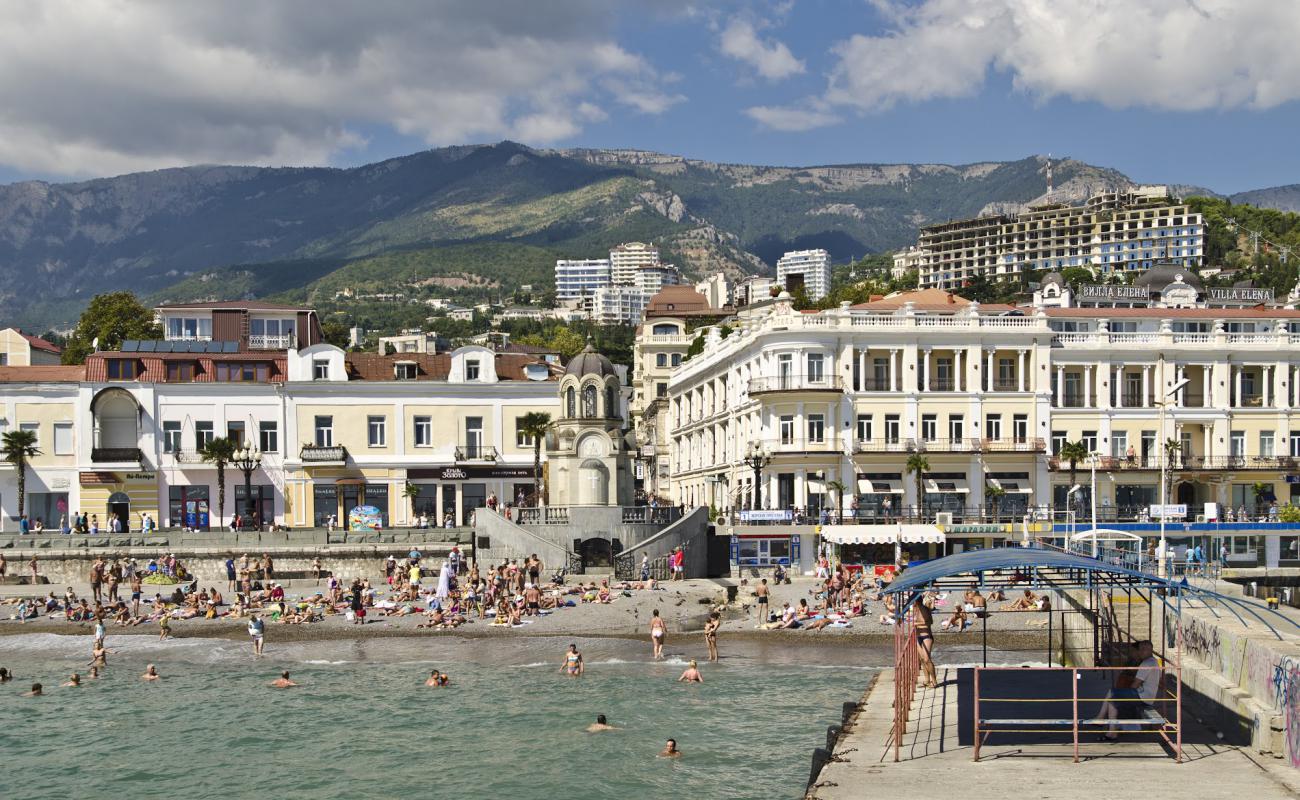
<point x="942" y="385"/>
<point x="1180" y="462"/>
<point x="826" y="444"/>
<point x="796" y="383"/>
<point x="1012" y="385"/>
<point x="476" y="452"/>
<point x="318" y="454"/>
<point x="185" y="455"/>
<point x="948" y="445"/>
<point x="257" y="341"/>
<point x="896" y="445"/>
<point x="875" y="385"/>
<point x="116" y="455"/>
<point x="1023" y="444"/>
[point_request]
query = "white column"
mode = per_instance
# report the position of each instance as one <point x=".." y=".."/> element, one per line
<point x="1178" y="376"/>
<point x="1020" y="370"/>
<point x="1266" y="377"/>
<point x="1060" y="387"/>
<point x="1119" y="386"/>
<point x="925" y="387"/>
<point x="1209" y="439"/>
<point x="893" y="371"/>
<point x="1087" y="386"/>
<point x="863" y="358"/>
<point x="1236" y="383"/>
<point x="988" y="371"/>
<point x="957" y="381"/>
<point x="1146" y="386"/>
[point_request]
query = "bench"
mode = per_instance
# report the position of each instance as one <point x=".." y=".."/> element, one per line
<point x="1149" y="717"/>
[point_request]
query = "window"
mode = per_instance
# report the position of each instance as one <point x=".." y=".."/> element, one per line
<point x="171" y="437"/>
<point x="864" y="427"/>
<point x="1058" y="441"/>
<point x="677" y="359"/>
<point x="1295" y="444"/>
<point x="235" y="433"/>
<point x="1006" y="373"/>
<point x="787" y="429"/>
<point x="376" y="431"/>
<point x="665" y="329"/>
<point x="63" y="438"/>
<point x="816" y="368"/>
<point x="121" y="369"/>
<point x="474" y="436"/>
<point x="34" y="428"/>
<point x="956" y="427"/>
<point x="1119" y="443"/>
<point x="424" y="431"/>
<point x="404" y="371"/>
<point x="661" y="390"/>
<point x="235" y="372"/>
<point x="571" y="402"/>
<point x="661" y="360"/>
<point x="324" y="431"/>
<point x="203" y="433"/>
<point x="268" y="437"/>
<point x="320" y="369"/>
<point x="993" y="426"/>
<point x="1267" y="446"/>
<point x="471" y="369"/>
<point x="929" y="427"/>
<point x="180" y="371"/>
<point x="1090" y="441"/>
<point x="189" y="328"/>
<point x="893" y="428"/>
<point x="1237" y="444"/>
<point x="1020" y="427"/>
<point x="522" y="439"/>
<point x="816" y="428"/>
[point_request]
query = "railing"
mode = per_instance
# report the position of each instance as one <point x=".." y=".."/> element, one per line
<point x="1245" y="400"/>
<point x="942" y="385"/>
<point x="315" y="454"/>
<point x="875" y="385"/>
<point x="651" y="515"/>
<point x="259" y="341"/>
<point x="476" y="452"/>
<point x="1181" y="462"/>
<point x="796" y="383"/>
<point x="949" y="445"/>
<point x="884" y="446"/>
<point x="185" y="455"/>
<point x="1014" y="445"/>
<point x="1007" y="386"/>
<point x="1069" y="401"/>
<point x="827" y="444"/>
<point x="546" y="515"/>
<point x="907" y="664"/>
<point x="119" y="455"/>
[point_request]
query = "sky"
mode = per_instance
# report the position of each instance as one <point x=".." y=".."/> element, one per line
<point x="1199" y="92"/>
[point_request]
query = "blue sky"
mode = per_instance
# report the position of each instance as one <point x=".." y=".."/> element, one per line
<point x="1188" y="91"/>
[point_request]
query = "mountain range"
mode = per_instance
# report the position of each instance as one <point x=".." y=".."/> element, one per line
<point x="478" y="218"/>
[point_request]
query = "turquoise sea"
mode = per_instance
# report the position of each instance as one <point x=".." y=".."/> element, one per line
<point x="363" y="724"/>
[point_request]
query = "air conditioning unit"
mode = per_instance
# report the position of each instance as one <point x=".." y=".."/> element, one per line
<point x="721" y="521"/>
<point x="1200" y="517"/>
<point x="943" y="518"/>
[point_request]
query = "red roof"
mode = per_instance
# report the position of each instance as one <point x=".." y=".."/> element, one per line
<point x="43" y="374"/>
<point x="153" y="366"/>
<point x="39" y="343"/>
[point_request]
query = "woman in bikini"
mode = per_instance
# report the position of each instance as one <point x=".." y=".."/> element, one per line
<point x="572" y="662"/>
<point x="923" y="617"/>
<point x="658" y="633"/>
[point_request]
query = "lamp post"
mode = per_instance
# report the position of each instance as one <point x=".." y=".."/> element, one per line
<point x="758" y="458"/>
<point x="247" y="460"/>
<point x="1092" y="495"/>
<point x="1164" y="458"/>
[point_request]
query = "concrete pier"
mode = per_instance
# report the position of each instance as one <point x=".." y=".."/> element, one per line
<point x="936" y="760"/>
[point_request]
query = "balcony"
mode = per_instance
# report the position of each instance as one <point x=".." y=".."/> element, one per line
<point x="949" y="445"/>
<point x="475" y="452"/>
<point x="876" y="385"/>
<point x="335" y="454"/>
<point x="795" y="383"/>
<point x="1024" y="444"/>
<point x="1189" y="463"/>
<point x="894" y="445"/>
<point x="1011" y="385"/>
<point x="259" y="341"/>
<point x="823" y="445"/>
<point x="116" y="455"/>
<point x="185" y="455"/>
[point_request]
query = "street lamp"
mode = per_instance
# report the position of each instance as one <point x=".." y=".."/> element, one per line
<point x="1164" y="458"/>
<point x="247" y="460"/>
<point x="758" y="458"/>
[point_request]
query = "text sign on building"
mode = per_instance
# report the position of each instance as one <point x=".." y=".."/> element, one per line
<point x="1170" y="510"/>
<point x="1100" y="293"/>
<point x="1241" y="296"/>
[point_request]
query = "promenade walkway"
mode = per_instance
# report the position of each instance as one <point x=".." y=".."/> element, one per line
<point x="936" y="760"/>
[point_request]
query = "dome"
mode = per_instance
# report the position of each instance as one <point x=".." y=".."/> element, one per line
<point x="1161" y="275"/>
<point x="1053" y="277"/>
<point x="589" y="362"/>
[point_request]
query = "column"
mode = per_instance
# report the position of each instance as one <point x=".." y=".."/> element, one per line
<point x="1060" y="387"/>
<point x="925" y="364"/>
<point x="1182" y="393"/>
<point x="893" y="371"/>
<point x="1119" y="386"/>
<point x="957" y="381"/>
<point x="1146" y="387"/>
<point x="862" y="369"/>
<point x="1236" y="385"/>
<point x="1208" y="430"/>
<point x="1020" y="370"/>
<point x="1266" y="378"/>
<point x="989" y="379"/>
<point x="1087" y="386"/>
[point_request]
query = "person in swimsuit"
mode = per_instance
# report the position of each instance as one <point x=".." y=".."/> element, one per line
<point x="764" y="594"/>
<point x="437" y="678"/>
<point x="711" y="634"/>
<point x="74" y="680"/>
<point x="257" y="630"/>
<point x="573" y="664"/>
<point x="150" y="674"/>
<point x="283" y="681"/>
<point x="35" y="692"/>
<point x="658" y="633"/>
<point x="924" y="619"/>
<point x="670" y="750"/>
<point x="600" y="725"/>
<point x="691" y="674"/>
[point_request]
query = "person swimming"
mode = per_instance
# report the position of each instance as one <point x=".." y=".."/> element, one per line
<point x="150" y="673"/>
<point x="283" y="681"/>
<point x="437" y="678"/>
<point x="5" y="675"/>
<point x="35" y="692"/>
<point x="691" y="674"/>
<point x="600" y="725"/>
<point x="573" y="664"/>
<point x="670" y="750"/>
<point x="73" y="680"/>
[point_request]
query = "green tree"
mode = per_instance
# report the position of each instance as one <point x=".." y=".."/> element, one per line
<point x="918" y="465"/>
<point x="994" y="494"/>
<point x="335" y="333"/>
<point x="18" y="446"/>
<point x="219" y="452"/>
<point x="534" y="425"/>
<point x="837" y="497"/>
<point x="1073" y="453"/>
<point x="110" y="318"/>
<point x="411" y="492"/>
<point x="566" y="341"/>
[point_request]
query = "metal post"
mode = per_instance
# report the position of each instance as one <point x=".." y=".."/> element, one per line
<point x="1160" y="445"/>
<point x="1049" y="638"/>
<point x="977" y="714"/>
<point x="1074" y="674"/>
<point x="1092" y="494"/>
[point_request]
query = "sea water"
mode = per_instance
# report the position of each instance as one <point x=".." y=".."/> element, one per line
<point x="362" y="724"/>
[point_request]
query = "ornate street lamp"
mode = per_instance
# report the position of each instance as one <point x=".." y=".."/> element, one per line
<point x="758" y="457"/>
<point x="247" y="460"/>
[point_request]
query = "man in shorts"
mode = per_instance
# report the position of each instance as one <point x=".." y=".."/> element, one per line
<point x="764" y="595"/>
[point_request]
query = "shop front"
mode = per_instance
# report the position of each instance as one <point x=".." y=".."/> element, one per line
<point x="334" y="501"/>
<point x="883" y="544"/>
<point x="189" y="507"/>
<point x="758" y="550"/>
<point x="128" y="496"/>
<point x="459" y="490"/>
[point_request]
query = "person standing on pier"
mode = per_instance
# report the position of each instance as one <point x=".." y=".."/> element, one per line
<point x="923" y="616"/>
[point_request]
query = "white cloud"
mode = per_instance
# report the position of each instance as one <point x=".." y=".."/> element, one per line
<point x="770" y="58"/>
<point x="92" y="87"/>
<point x="791" y="118"/>
<point x="1165" y="55"/>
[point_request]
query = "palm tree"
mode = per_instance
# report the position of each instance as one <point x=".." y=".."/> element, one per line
<point x="918" y="465"/>
<point x="837" y="492"/>
<point x="17" y="447"/>
<point x="994" y="495"/>
<point x="534" y="425"/>
<point x="219" y="452"/>
<point x="1173" y="451"/>
<point x="411" y="492"/>
<point x="1073" y="452"/>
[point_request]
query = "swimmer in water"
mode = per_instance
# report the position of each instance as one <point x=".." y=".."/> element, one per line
<point x="600" y="725"/>
<point x="691" y="674"/>
<point x="35" y="692"/>
<point x="670" y="750"/>
<point x="573" y="664"/>
<point x="283" y="681"/>
<point x="99" y="657"/>
<point x="150" y="674"/>
<point x="5" y="675"/>
<point x="94" y="674"/>
<point x="437" y="678"/>
<point x="73" y="680"/>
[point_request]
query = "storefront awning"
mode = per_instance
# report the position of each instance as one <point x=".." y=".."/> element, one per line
<point x="816" y="486"/>
<point x="946" y="486"/>
<point x="1011" y="487"/>
<point x="882" y="534"/>
<point x="868" y="486"/>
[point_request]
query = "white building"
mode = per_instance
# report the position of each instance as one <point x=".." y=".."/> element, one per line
<point x="906" y="261"/>
<point x="813" y="267"/>
<point x="627" y="258"/>
<point x="578" y="279"/>
<point x="651" y="279"/>
<point x="618" y="305"/>
<point x="716" y="290"/>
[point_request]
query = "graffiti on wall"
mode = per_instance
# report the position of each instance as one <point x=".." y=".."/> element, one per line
<point x="1286" y="696"/>
<point x="1202" y="642"/>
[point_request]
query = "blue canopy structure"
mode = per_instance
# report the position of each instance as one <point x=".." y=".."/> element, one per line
<point x="1016" y="567"/>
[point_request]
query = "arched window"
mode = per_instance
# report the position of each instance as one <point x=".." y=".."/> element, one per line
<point x="571" y="403"/>
<point x="589" y="401"/>
<point x="611" y="402"/>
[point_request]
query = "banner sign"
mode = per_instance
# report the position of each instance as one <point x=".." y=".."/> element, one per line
<point x="1113" y="294"/>
<point x="1170" y="510"/>
<point x="764" y="515"/>
<point x="1241" y="296"/>
<point x="467" y="473"/>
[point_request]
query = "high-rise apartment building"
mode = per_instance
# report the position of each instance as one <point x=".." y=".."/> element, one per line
<point x="627" y="258"/>
<point x="813" y="267"/>
<point x="578" y="279"/>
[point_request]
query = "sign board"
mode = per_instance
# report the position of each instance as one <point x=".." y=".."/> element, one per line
<point x="1292" y="478"/>
<point x="468" y="473"/>
<point x="1211" y="512"/>
<point x="1243" y="296"/>
<point x="1170" y="510"/>
<point x="765" y="515"/>
<point x="141" y="476"/>
<point x="1101" y="293"/>
<point x="735" y="549"/>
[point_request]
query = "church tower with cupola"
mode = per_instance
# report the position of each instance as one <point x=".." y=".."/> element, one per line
<point x="587" y="453"/>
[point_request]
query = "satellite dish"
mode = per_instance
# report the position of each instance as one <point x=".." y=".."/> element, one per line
<point x="94" y="344"/>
